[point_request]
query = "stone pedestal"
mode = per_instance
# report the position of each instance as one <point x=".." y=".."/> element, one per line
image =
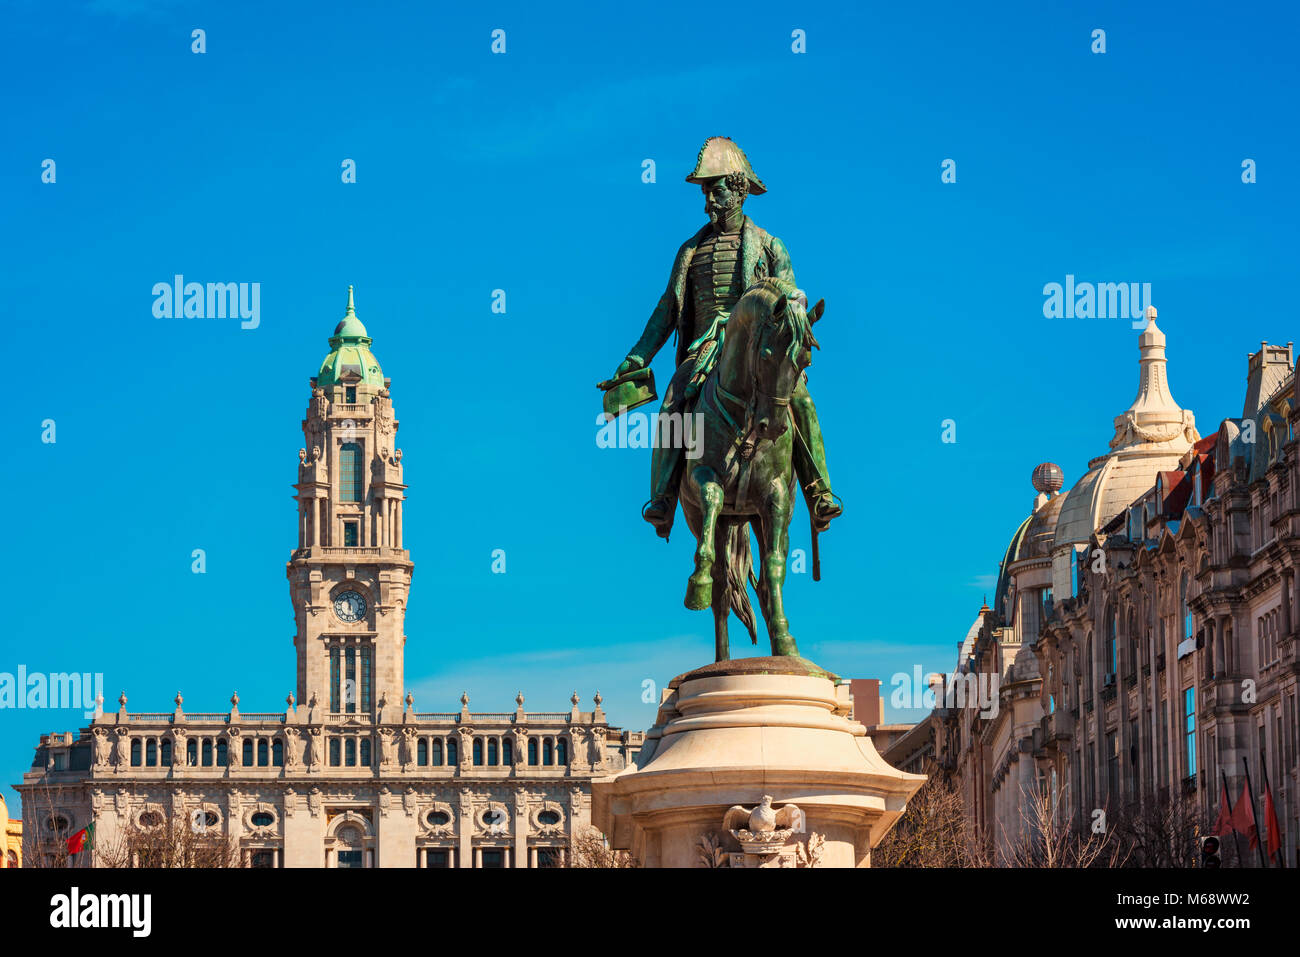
<point x="730" y="733"/>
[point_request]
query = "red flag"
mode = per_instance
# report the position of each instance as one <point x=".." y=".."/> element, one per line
<point x="1243" y="818"/>
<point x="1223" y="823"/>
<point x="77" y="843"/>
<point x="1270" y="822"/>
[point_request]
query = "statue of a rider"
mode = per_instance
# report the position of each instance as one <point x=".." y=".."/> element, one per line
<point x="712" y="269"/>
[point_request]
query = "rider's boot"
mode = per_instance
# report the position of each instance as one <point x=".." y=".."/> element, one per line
<point x="659" y="511"/>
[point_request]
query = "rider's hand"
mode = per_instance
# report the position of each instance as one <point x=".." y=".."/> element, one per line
<point x="630" y="364"/>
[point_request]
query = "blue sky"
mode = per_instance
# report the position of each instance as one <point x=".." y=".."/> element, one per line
<point x="522" y="172"/>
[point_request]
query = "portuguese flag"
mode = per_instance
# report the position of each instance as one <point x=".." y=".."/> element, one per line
<point x="82" y="839"/>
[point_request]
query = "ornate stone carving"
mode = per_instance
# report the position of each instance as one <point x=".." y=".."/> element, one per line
<point x="385" y="747"/>
<point x="100" y="747"/>
<point x="410" y="802"/>
<point x="123" y="749"/>
<point x="317" y="748"/>
<point x="597" y="751"/>
<point x="292" y="748"/>
<point x="385" y="801"/>
<point x="314" y="801"/>
<point x="409" y="745"/>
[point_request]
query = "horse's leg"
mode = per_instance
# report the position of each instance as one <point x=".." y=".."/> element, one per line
<point x="777" y="533"/>
<point x="699" y="589"/>
<point x="721" y="594"/>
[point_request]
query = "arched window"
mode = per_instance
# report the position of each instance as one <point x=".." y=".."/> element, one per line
<point x="452" y="753"/>
<point x="562" y="752"/>
<point x="478" y="751"/>
<point x="350" y="753"/>
<point x="437" y="752"/>
<point x="166" y="751"/>
<point x="492" y="752"/>
<point x="135" y="752"/>
<point x="548" y="752"/>
<point x="192" y="753"/>
<point x="223" y="753"/>
<point x="248" y="752"/>
<point x="262" y="756"/>
<point x="350" y="478"/>
<point x="532" y="751"/>
<point x="207" y="752"/>
<point x="151" y="753"/>
<point x="365" y="752"/>
<point x="507" y="753"/>
<point x="277" y="754"/>
<point x="335" y="759"/>
<point x="422" y="753"/>
<point x="1182" y="601"/>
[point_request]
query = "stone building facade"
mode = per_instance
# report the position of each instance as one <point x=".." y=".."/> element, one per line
<point x="1142" y="644"/>
<point x="348" y="774"/>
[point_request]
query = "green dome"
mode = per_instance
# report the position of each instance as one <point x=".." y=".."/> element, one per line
<point x="350" y="351"/>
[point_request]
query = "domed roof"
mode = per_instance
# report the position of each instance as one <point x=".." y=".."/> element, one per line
<point x="1150" y="437"/>
<point x="1041" y="534"/>
<point x="350" y="353"/>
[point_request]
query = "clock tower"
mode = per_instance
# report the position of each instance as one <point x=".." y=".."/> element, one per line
<point x="349" y="577"/>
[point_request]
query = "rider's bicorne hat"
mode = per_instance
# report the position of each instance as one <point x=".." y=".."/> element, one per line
<point x="719" y="156"/>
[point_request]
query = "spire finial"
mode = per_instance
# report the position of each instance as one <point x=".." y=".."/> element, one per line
<point x="352" y="311"/>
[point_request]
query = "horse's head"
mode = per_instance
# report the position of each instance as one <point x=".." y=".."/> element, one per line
<point x="782" y="349"/>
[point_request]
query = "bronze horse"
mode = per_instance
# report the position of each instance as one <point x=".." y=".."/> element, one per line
<point x="744" y="473"/>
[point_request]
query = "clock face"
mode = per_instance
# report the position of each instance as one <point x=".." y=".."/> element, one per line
<point x="350" y="606"/>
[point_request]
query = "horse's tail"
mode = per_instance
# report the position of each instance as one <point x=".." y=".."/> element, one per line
<point x="739" y="574"/>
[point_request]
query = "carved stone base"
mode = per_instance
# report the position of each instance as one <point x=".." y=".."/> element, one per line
<point x="730" y="733"/>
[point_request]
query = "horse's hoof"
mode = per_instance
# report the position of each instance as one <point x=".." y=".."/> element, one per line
<point x="699" y="594"/>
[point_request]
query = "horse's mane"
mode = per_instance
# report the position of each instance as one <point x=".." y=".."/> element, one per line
<point x="793" y="316"/>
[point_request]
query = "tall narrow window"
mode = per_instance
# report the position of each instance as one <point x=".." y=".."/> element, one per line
<point x="437" y="752"/>
<point x="507" y="753"/>
<point x="548" y="752"/>
<point x="335" y="705"/>
<point x="1112" y="649"/>
<point x="562" y="752"/>
<point x="1189" y="708"/>
<point x="223" y="753"/>
<point x="422" y="753"/>
<point x="248" y="752"/>
<point x="492" y="752"/>
<point x="1187" y="612"/>
<point x="350" y="394"/>
<point x="335" y="750"/>
<point x="365" y="752"/>
<point x="351" y="538"/>
<point x="350" y="479"/>
<point x="350" y="753"/>
<point x="151" y="753"/>
<point x="166" y="751"/>
<point x="532" y="751"/>
<point x="350" y="676"/>
<point x="263" y="756"/>
<point x="135" y="753"/>
<point x="277" y="754"/>
<point x="452" y="754"/>
<point x="365" y="680"/>
<point x="478" y="751"/>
